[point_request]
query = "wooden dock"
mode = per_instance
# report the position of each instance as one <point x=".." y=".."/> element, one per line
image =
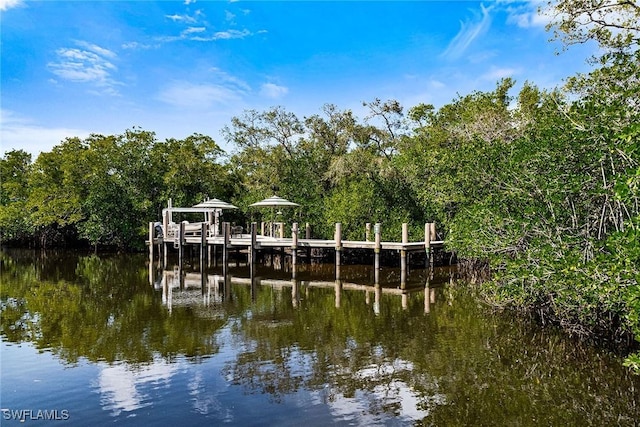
<point x="206" y="236"/>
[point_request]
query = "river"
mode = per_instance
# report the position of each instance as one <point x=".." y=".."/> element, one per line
<point x="114" y="339"/>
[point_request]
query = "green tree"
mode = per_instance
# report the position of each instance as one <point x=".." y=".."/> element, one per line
<point x="15" y="167"/>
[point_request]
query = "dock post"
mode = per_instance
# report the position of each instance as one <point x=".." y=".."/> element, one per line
<point x="203" y="246"/>
<point x="403" y="256"/>
<point x="252" y="248"/>
<point x="151" y="270"/>
<point x="338" y="239"/>
<point x="307" y="235"/>
<point x="338" y="283"/>
<point x="294" y="244"/>
<point x="432" y="237"/>
<point x="367" y="231"/>
<point x="181" y="245"/>
<point x="262" y="228"/>
<point x="225" y="247"/>
<point x="376" y="254"/>
<point x="165" y="233"/>
<point x="151" y="234"/>
<point x="427" y="243"/>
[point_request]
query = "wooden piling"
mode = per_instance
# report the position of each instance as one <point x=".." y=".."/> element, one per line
<point x="307" y="235"/>
<point x="203" y="245"/>
<point x="427" y="243"/>
<point x="294" y="244"/>
<point x="226" y="231"/>
<point x="432" y="237"/>
<point x="254" y="239"/>
<point x="338" y="240"/>
<point x="165" y="231"/>
<point x="403" y="256"/>
<point x="151" y="236"/>
<point x="376" y="254"/>
<point x="367" y="231"/>
<point x="181" y="242"/>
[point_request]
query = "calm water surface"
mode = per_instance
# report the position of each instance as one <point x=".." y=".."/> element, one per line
<point x="109" y="340"/>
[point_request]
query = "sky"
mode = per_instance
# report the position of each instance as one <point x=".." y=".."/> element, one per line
<point x="72" y="68"/>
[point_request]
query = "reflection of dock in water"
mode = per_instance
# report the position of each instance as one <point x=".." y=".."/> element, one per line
<point x="206" y="290"/>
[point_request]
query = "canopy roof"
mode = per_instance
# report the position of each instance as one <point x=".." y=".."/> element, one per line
<point x="215" y="204"/>
<point x="274" y="201"/>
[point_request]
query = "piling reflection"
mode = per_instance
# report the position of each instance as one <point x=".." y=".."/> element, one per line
<point x="208" y="287"/>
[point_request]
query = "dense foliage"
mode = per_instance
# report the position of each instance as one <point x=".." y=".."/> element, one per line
<point x="541" y="185"/>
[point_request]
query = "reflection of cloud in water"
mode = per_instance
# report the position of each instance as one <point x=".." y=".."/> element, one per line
<point x="119" y="385"/>
<point x="389" y="396"/>
<point x="207" y="403"/>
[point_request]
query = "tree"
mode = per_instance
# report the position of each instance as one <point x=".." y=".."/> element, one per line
<point x="613" y="24"/>
<point x="15" y="167"/>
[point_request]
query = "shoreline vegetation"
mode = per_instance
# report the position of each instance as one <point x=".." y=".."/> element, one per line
<point x="541" y="186"/>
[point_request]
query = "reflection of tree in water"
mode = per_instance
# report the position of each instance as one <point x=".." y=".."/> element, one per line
<point x="346" y="357"/>
<point x="457" y="365"/>
<point x="106" y="312"/>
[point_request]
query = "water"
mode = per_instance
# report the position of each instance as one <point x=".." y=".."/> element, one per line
<point x="113" y="340"/>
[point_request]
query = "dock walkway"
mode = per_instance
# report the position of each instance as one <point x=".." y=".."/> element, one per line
<point x="205" y="236"/>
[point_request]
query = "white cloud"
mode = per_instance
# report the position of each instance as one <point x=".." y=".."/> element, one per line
<point x="90" y="64"/>
<point x="136" y="45"/>
<point x="20" y="133"/>
<point x="232" y="34"/>
<point x="182" y="18"/>
<point x="437" y="84"/>
<point x="469" y="31"/>
<point x="96" y="49"/>
<point x="9" y="4"/>
<point x="273" y="91"/>
<point x="497" y="73"/>
<point x="193" y="30"/>
<point x="198" y="96"/>
<point x="229" y="80"/>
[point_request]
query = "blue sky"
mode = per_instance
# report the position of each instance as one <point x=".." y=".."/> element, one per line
<point x="71" y="68"/>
